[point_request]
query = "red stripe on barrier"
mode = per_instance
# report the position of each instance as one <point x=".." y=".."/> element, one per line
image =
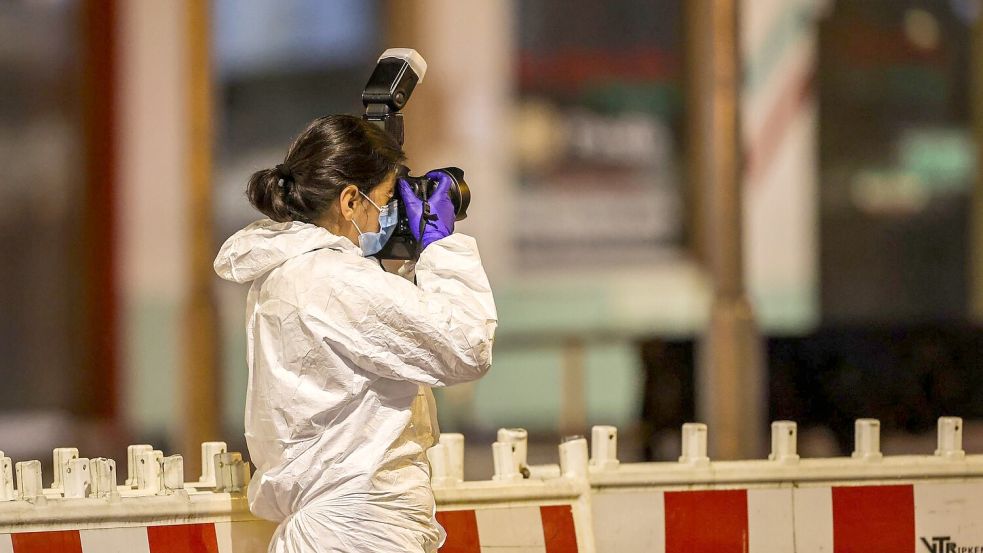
<point x="67" y="541"/>
<point x="462" y="532"/>
<point x="183" y="538"/>
<point x="706" y="521"/>
<point x="873" y="518"/>
<point x="559" y="531"/>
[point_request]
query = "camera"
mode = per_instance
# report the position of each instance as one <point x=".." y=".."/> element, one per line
<point x="396" y="74"/>
<point x="460" y="194"/>
<point x="402" y="244"/>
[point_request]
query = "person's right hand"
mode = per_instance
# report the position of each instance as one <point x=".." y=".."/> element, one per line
<point x="440" y="223"/>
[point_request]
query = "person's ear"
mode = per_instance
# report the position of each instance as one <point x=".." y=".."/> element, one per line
<point x="346" y="202"/>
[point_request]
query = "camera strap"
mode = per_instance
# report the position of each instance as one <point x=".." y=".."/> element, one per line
<point x="427" y="216"/>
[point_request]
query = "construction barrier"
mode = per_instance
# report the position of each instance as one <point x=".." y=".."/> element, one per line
<point x="866" y="502"/>
<point x="155" y="511"/>
<point x="510" y="514"/>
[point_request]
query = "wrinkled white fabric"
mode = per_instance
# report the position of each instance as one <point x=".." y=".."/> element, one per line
<point x="341" y="357"/>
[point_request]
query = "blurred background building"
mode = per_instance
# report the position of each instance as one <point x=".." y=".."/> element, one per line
<point x="128" y="130"/>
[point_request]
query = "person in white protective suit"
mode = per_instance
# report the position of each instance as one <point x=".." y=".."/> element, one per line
<point x="342" y="355"/>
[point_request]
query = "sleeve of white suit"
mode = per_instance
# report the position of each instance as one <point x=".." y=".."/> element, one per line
<point x="437" y="333"/>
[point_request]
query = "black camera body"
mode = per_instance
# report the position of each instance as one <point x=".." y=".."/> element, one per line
<point x="396" y="74"/>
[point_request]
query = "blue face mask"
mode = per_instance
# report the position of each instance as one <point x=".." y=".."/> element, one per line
<point x="373" y="242"/>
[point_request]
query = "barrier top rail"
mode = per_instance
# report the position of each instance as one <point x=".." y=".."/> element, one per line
<point x="783" y="465"/>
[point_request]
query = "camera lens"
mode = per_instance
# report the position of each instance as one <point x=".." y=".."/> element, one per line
<point x="460" y="193"/>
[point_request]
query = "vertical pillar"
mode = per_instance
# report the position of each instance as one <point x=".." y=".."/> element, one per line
<point x="165" y="238"/>
<point x="976" y="213"/>
<point x="729" y="371"/>
<point x="573" y="399"/>
<point x="461" y="116"/>
<point x="98" y="233"/>
<point x="200" y="378"/>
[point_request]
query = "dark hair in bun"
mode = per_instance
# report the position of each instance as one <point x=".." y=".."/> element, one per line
<point x="333" y="152"/>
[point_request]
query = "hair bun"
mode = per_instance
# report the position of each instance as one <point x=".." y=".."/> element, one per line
<point x="284" y="173"/>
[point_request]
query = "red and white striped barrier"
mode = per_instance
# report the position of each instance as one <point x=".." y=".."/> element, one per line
<point x="510" y="514"/>
<point x="926" y="517"/>
<point x="515" y="528"/>
<point x="543" y="529"/>
<point x="866" y="502"/>
<point x="210" y="537"/>
<point x="156" y="512"/>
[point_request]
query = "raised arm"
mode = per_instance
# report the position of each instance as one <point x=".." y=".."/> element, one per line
<point x="437" y="333"/>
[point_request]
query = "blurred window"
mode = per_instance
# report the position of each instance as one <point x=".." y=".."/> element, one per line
<point x="278" y="66"/>
<point x="598" y="133"/>
<point x="897" y="160"/>
<point x="41" y="203"/>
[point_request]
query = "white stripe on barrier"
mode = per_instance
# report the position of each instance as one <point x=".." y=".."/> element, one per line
<point x="6" y="544"/>
<point x="223" y="536"/>
<point x="813" y="520"/>
<point x="768" y="510"/>
<point x="115" y="540"/>
<point x="243" y="535"/>
<point x="948" y="511"/>
<point x="511" y="527"/>
<point x="618" y="532"/>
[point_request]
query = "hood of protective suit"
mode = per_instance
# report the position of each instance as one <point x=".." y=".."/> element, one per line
<point x="266" y="244"/>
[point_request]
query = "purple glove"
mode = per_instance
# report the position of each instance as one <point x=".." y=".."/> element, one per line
<point x="440" y="222"/>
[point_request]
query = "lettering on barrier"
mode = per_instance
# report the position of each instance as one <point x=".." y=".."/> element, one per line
<point x="945" y="544"/>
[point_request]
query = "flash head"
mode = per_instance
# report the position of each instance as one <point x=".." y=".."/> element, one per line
<point x="395" y="76"/>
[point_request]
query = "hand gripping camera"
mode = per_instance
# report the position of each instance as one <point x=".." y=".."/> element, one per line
<point x="389" y="88"/>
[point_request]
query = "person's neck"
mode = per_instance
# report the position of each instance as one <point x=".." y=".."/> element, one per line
<point x="333" y="226"/>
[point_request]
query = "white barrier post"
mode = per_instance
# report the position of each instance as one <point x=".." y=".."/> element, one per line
<point x="519" y="439"/>
<point x="29" y="487"/>
<point x="694" y="447"/>
<point x="950" y="438"/>
<point x="783" y="442"/>
<point x="6" y="479"/>
<point x="504" y="459"/>
<point x="604" y="447"/>
<point x="454" y="448"/>
<point x="573" y="457"/>
<point x="173" y="473"/>
<point x="439" y="465"/>
<point x="150" y="471"/>
<point x="103" y="473"/>
<point x="867" y="440"/>
<point x="77" y="479"/>
<point x="60" y="458"/>
<point x="132" y="464"/>
<point x="208" y="452"/>
<point x="231" y="472"/>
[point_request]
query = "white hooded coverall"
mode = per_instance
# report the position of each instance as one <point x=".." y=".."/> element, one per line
<point x="341" y="357"/>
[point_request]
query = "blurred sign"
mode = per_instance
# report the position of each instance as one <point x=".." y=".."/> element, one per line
<point x="595" y="136"/>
